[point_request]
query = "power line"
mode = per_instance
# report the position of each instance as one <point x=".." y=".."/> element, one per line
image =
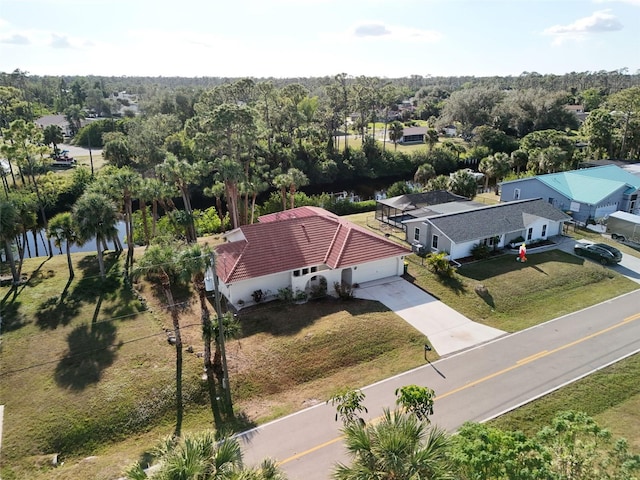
<point x="86" y="352"/>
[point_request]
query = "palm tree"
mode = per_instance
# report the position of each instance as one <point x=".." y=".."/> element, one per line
<point x="519" y="160"/>
<point x="182" y="174"/>
<point x="53" y="136"/>
<point x="159" y="264"/>
<point x="230" y="172"/>
<point x="398" y="447"/>
<point x="96" y="216"/>
<point x="431" y="138"/>
<point x="463" y="183"/>
<point x="424" y="173"/>
<point x="8" y="230"/>
<point x="63" y="229"/>
<point x="282" y="182"/>
<point x="396" y="130"/>
<point x="298" y="179"/>
<point x="194" y="261"/>
<point x="200" y="456"/>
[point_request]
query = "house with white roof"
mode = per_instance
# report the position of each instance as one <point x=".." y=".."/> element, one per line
<point x="586" y="194"/>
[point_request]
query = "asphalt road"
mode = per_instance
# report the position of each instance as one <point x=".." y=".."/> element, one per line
<point x="474" y="385"/>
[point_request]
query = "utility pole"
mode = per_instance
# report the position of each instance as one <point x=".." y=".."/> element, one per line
<point x="225" y="372"/>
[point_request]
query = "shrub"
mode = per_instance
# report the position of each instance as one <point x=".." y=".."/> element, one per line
<point x="480" y="251"/>
<point x="257" y="295"/>
<point x="319" y="290"/>
<point x="285" y="294"/>
<point x="344" y="290"/>
<point x="439" y="264"/>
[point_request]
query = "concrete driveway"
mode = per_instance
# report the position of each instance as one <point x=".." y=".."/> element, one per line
<point x="447" y="330"/>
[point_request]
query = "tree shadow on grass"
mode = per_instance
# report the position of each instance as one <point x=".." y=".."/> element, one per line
<point x="91" y="350"/>
<point x="10" y="315"/>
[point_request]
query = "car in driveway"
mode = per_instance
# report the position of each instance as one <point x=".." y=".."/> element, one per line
<point x="601" y="252"/>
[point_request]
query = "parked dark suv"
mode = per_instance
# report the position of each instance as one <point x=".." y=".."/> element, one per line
<point x="603" y="253"/>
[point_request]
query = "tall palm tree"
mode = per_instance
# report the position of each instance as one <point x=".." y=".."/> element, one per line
<point x="398" y="447"/>
<point x="282" y="182"/>
<point x="159" y="264"/>
<point x="396" y="130"/>
<point x="193" y="262"/>
<point x="8" y="230"/>
<point x="63" y="229"/>
<point x="298" y="179"/>
<point x="230" y="173"/>
<point x="183" y="174"/>
<point x="96" y="216"/>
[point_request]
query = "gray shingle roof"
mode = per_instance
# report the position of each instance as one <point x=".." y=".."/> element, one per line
<point x="495" y="219"/>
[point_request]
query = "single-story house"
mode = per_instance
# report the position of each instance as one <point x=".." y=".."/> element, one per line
<point x="300" y="249"/>
<point x="586" y="194"/>
<point x="395" y="210"/>
<point x="413" y="134"/>
<point x="494" y="225"/>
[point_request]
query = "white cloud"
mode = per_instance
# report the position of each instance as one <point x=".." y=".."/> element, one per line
<point x="15" y="39"/>
<point x="60" y="41"/>
<point x="392" y="32"/>
<point x="599" y="22"/>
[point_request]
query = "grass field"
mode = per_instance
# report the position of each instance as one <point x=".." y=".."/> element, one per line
<point x="611" y="396"/>
<point x="87" y="371"/>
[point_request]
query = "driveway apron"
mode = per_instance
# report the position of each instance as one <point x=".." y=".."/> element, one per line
<point x="448" y="331"/>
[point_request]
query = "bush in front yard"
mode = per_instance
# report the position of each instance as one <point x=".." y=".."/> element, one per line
<point x="480" y="251"/>
<point x="439" y="264"/>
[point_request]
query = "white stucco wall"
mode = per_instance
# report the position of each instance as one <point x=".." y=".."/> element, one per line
<point x="379" y="269"/>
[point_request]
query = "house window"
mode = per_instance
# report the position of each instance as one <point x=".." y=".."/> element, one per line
<point x="305" y="271"/>
<point x="434" y="242"/>
<point x="529" y="234"/>
<point x="416" y="234"/>
<point x="544" y="230"/>
<point x="313" y="269"/>
<point x="516" y="194"/>
<point x="296" y="273"/>
<point x="551" y="200"/>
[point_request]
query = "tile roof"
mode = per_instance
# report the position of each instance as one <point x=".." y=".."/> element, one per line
<point x="591" y="185"/>
<point x="495" y="219"/>
<point x="412" y="201"/>
<point x="298" y="238"/>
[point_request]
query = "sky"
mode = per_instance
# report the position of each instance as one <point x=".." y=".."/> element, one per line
<point x="313" y="38"/>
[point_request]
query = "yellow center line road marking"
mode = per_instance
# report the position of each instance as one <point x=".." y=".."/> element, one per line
<point x="532" y="357"/>
<point x="518" y="364"/>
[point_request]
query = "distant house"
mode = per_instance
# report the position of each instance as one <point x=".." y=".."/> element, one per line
<point x="396" y="210"/>
<point x="58" y="119"/>
<point x="450" y="131"/>
<point x="496" y="226"/>
<point x="300" y="249"/>
<point x="588" y="193"/>
<point x="413" y="135"/>
<point x="578" y="111"/>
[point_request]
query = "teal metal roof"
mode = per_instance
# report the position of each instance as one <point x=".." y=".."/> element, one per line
<point x="591" y="185"/>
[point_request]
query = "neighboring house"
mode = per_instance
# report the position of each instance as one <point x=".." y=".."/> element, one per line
<point x="578" y="111"/>
<point x="59" y="120"/>
<point x="413" y="134"/>
<point x="395" y="210"/>
<point x="450" y="131"/>
<point x="299" y="248"/>
<point x="495" y="225"/>
<point x="586" y="194"/>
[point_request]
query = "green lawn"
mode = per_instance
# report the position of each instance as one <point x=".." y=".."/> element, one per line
<point x="86" y="368"/>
